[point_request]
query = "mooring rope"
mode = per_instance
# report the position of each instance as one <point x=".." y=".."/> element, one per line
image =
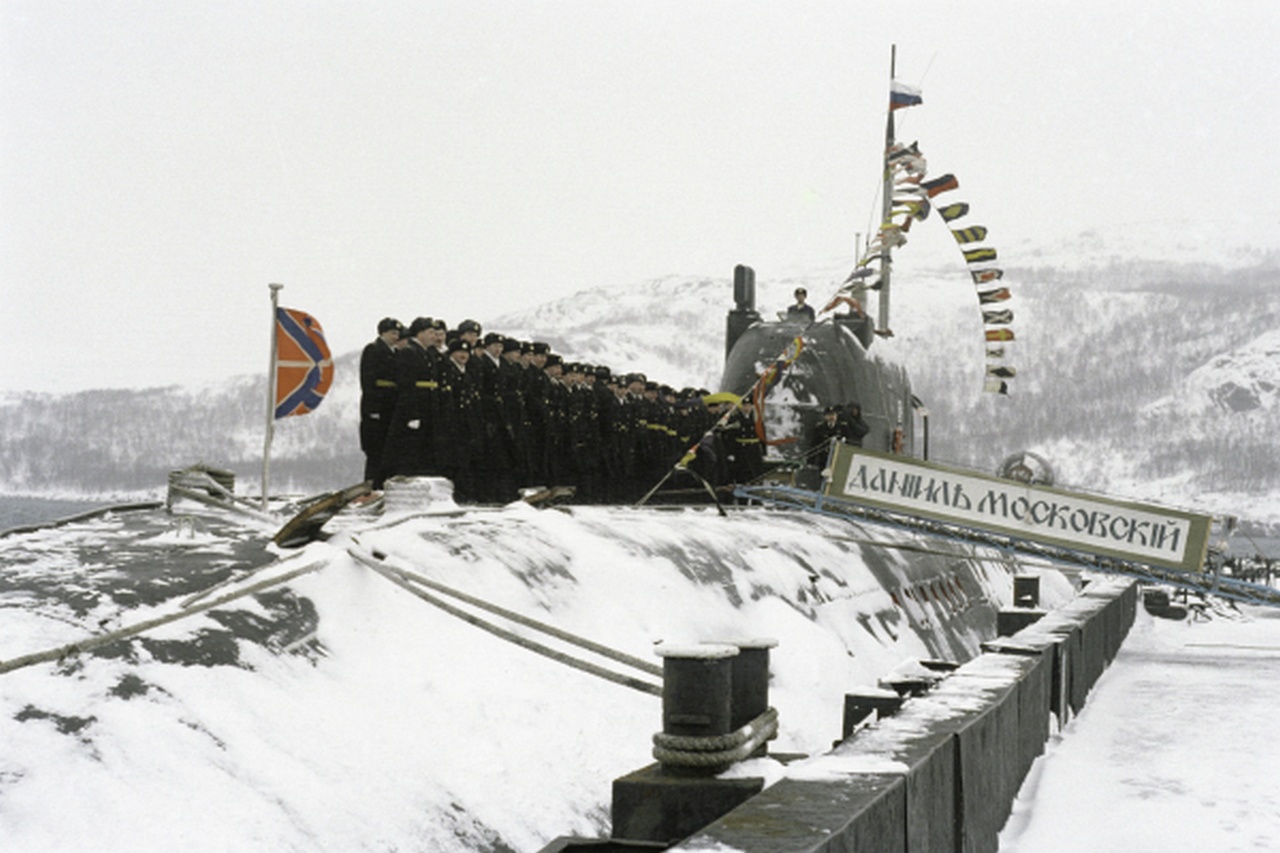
<point x="717" y="743"/>
<point x="412" y="583"/>
<point x="718" y="750"/>
<point x="93" y="642"/>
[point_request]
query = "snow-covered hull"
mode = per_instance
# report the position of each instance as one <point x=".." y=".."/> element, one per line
<point x="336" y="711"/>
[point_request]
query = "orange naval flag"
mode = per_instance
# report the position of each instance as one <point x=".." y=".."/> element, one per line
<point x="304" y="367"/>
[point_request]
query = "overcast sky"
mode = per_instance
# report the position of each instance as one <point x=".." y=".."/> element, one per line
<point x="161" y="163"/>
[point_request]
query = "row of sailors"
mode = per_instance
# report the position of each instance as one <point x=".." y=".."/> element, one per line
<point x="495" y="415"/>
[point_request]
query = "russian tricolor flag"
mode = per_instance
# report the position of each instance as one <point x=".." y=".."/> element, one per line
<point x="901" y="95"/>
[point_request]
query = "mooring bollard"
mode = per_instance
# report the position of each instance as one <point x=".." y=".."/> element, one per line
<point x="697" y="689"/>
<point x="867" y="701"/>
<point x="715" y="712"/>
<point x="1026" y="591"/>
<point x="750" y="679"/>
<point x="750" y="684"/>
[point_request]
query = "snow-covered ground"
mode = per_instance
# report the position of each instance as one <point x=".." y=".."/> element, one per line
<point x="1173" y="750"/>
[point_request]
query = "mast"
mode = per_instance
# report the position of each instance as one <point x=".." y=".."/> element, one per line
<point x="271" y="393"/>
<point x="886" y="262"/>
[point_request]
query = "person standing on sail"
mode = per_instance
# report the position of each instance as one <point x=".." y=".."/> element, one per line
<point x="378" y="396"/>
<point x="801" y="310"/>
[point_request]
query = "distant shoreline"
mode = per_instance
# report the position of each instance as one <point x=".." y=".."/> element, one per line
<point x="19" y="510"/>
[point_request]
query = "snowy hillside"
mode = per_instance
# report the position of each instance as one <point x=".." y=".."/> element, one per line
<point x="1244" y="381"/>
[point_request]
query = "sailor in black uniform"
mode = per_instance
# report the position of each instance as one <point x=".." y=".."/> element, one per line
<point x="513" y="422"/>
<point x="858" y="428"/>
<point x="537" y="392"/>
<point x="556" y="451"/>
<point x="410" y="441"/>
<point x="801" y="310"/>
<point x="745" y="451"/>
<point x="459" y="432"/>
<point x="378" y="396"/>
<point x="497" y="474"/>
<point x="831" y="428"/>
<point x="584" y="433"/>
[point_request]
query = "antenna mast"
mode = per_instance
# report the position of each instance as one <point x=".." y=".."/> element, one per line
<point x="886" y="262"/>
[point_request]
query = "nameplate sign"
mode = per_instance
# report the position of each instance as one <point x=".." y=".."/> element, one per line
<point x="1144" y="533"/>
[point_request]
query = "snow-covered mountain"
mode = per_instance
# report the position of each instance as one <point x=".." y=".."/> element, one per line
<point x="1146" y="368"/>
<point x="1242" y="382"/>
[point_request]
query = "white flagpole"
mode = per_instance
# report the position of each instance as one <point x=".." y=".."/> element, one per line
<point x="271" y="394"/>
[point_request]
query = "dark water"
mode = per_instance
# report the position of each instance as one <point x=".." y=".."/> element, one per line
<point x="16" y="512"/>
<point x="1253" y="539"/>
<point x="1256" y="545"/>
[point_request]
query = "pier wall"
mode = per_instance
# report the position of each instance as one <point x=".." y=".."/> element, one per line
<point x="942" y="773"/>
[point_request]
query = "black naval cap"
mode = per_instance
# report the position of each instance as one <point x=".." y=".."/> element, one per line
<point x="512" y="345"/>
<point x="459" y="345"/>
<point x="418" y="325"/>
<point x="389" y="324"/>
<point x="469" y="326"/>
<point x="831" y="410"/>
<point x="540" y="348"/>
<point x="493" y="338"/>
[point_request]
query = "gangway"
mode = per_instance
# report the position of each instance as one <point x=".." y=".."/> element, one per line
<point x="1146" y="541"/>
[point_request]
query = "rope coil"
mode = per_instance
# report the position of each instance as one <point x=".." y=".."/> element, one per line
<point x="716" y="751"/>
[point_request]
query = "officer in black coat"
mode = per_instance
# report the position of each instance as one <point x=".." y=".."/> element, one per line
<point x="635" y="434"/>
<point x="831" y="428"/>
<point x="858" y="428"/>
<point x="537" y="392"/>
<point x="651" y="463"/>
<point x="744" y="448"/>
<point x="459" y="423"/>
<point x="494" y="465"/>
<point x="513" y="421"/>
<point x="411" y="441"/>
<point x="585" y="448"/>
<point x="558" y="443"/>
<point x="378" y="396"/>
<point x="617" y="431"/>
